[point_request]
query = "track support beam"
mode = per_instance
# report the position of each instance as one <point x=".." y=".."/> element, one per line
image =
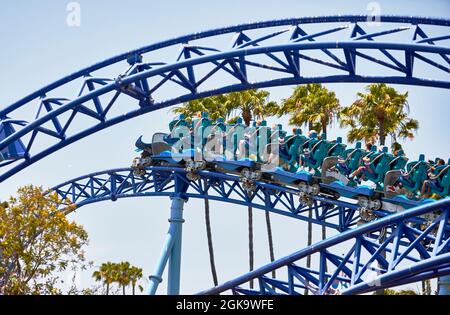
<point x="171" y="251"/>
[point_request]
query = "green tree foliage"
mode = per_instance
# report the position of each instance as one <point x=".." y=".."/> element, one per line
<point x="316" y="107"/>
<point x="107" y="274"/>
<point x="213" y="105"/>
<point x="249" y="104"/>
<point x="37" y="242"/>
<point x="379" y="113"/>
<point x="312" y="105"/>
<point x="135" y="274"/>
<point x="123" y="274"/>
<point x="401" y="292"/>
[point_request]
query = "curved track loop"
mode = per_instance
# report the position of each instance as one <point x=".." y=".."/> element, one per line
<point x="416" y="241"/>
<point x="171" y="182"/>
<point x="411" y="255"/>
<point x="265" y="54"/>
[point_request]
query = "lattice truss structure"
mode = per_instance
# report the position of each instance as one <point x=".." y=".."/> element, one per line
<point x="406" y="251"/>
<point x="164" y="181"/>
<point x="403" y="50"/>
<point x="393" y="250"/>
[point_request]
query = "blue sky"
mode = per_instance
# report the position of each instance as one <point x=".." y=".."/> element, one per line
<point x="38" y="48"/>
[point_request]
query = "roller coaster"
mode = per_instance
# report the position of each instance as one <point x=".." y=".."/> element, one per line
<point x="312" y="164"/>
<point x="394" y="231"/>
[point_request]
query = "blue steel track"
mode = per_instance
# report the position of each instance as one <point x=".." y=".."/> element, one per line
<point x="394" y="249"/>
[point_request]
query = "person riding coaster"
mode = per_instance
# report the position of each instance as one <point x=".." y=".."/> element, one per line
<point x="374" y="169"/>
<point x="281" y="166"/>
<point x="216" y="140"/>
<point x="344" y="173"/>
<point x="348" y="162"/>
<point x="337" y="147"/>
<point x="438" y="182"/>
<point x="177" y="129"/>
<point x="411" y="181"/>
<point x="241" y="155"/>
<point x="335" y="177"/>
<point x="238" y="150"/>
<point x="291" y="147"/>
<point x="313" y="156"/>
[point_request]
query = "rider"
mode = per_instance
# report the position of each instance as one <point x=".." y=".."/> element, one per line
<point x="312" y="135"/>
<point x="396" y="148"/>
<point x="432" y="179"/>
<point x="359" y="175"/>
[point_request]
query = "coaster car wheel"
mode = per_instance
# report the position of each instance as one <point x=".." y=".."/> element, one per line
<point x="249" y="186"/>
<point x="192" y="176"/>
<point x="306" y="199"/>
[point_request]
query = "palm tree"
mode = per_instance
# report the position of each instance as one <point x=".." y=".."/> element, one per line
<point x="99" y="277"/>
<point x="106" y="273"/>
<point x="135" y="275"/>
<point x="379" y="113"/>
<point x="209" y="238"/>
<point x="249" y="104"/>
<point x="123" y="275"/>
<point x="317" y="107"/>
<point x="312" y="105"/>
<point x="213" y="105"/>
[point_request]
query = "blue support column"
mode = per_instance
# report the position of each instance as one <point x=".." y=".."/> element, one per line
<point x="171" y="252"/>
<point x="156" y="277"/>
<point x="444" y="285"/>
<point x="176" y="220"/>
